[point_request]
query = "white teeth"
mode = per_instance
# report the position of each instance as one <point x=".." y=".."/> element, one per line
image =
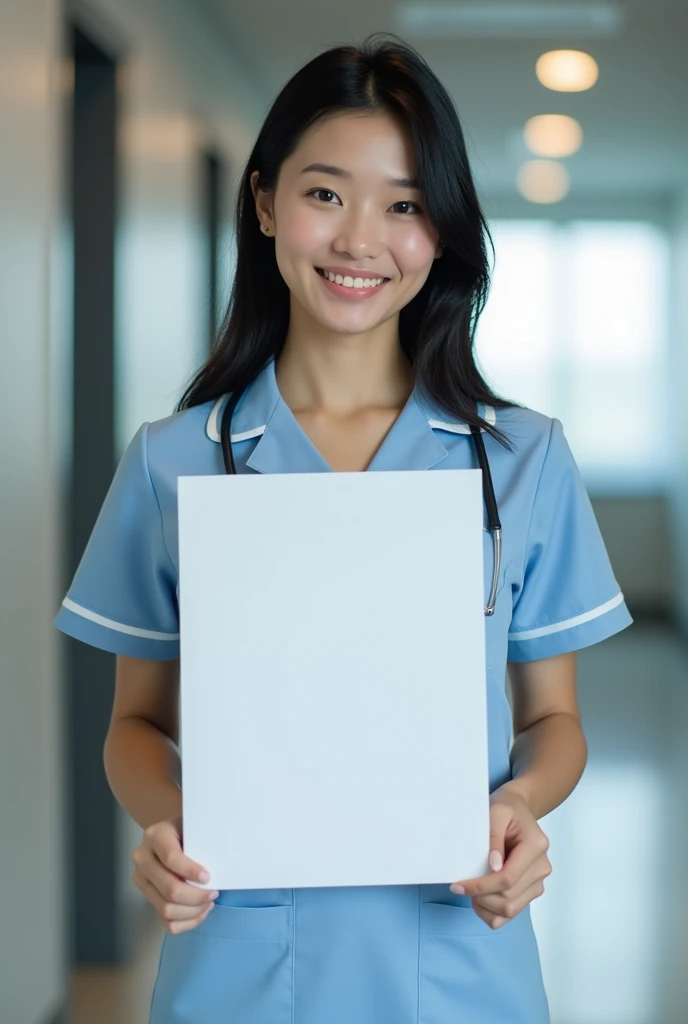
<point x="353" y="282"/>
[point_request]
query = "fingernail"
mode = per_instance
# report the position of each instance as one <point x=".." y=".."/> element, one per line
<point x="213" y="895"/>
<point x="203" y="876"/>
<point x="458" y="889"/>
<point x="495" y="860"/>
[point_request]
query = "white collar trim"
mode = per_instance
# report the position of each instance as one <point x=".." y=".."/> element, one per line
<point x="461" y="427"/>
<point x="212" y="428"/>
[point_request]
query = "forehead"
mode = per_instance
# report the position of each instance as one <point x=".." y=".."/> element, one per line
<point x="374" y="145"/>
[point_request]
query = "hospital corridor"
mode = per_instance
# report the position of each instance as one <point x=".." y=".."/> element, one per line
<point x="127" y="129"/>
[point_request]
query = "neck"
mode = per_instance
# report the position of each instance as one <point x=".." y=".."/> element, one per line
<point x="343" y="373"/>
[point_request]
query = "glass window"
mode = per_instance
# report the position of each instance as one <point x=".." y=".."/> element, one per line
<point x="575" y="326"/>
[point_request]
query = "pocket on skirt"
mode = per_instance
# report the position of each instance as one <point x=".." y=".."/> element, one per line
<point x="235" y="966"/>
<point x="473" y="973"/>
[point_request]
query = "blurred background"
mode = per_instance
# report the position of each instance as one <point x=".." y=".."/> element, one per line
<point x="124" y="125"/>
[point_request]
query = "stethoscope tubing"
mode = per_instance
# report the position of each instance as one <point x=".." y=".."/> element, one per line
<point x="494" y="525"/>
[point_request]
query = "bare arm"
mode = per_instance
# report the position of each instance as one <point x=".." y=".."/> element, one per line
<point x="143" y="768"/>
<point x="549" y="752"/>
<point x="140" y="755"/>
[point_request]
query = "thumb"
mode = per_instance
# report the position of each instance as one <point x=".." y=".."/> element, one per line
<point x="500" y="818"/>
<point x="496" y="858"/>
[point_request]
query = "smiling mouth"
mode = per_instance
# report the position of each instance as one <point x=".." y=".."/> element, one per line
<point x="355" y="282"/>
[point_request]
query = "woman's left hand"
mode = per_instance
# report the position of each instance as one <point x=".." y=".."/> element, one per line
<point x="518" y="843"/>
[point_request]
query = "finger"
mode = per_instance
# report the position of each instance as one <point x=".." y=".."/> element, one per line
<point x="165" y="843"/>
<point x="505" y="907"/>
<point x="493" y="920"/>
<point x="177" y="925"/>
<point x="174" y="889"/>
<point x="538" y="870"/>
<point x="519" y="861"/>
<point x="169" y="910"/>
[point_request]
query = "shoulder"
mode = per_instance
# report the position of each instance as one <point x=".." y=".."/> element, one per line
<point x="180" y="442"/>
<point x="540" y="461"/>
<point x="177" y="445"/>
<point x="530" y="433"/>
<point x="187" y="426"/>
<point x="523" y="422"/>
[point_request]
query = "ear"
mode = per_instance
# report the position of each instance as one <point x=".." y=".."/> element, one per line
<point x="263" y="202"/>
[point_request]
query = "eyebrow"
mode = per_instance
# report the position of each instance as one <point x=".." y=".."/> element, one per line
<point x="339" y="172"/>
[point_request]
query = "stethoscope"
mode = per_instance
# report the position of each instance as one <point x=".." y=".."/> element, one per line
<point x="494" y="525"/>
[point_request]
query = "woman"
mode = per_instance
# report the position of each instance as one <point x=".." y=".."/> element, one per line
<point x="360" y="171"/>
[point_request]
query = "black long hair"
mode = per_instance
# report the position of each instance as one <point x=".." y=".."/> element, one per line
<point x="437" y="327"/>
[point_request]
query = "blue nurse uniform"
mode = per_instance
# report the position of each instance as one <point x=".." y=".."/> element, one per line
<point x="399" y="954"/>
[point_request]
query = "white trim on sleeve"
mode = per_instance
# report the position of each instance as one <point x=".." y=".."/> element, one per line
<point x="577" y="620"/>
<point x="86" y="613"/>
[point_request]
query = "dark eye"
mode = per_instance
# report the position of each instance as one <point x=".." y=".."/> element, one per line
<point x="407" y="202"/>
<point x="327" y="192"/>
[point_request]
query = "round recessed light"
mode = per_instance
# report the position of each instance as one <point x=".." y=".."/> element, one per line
<point x="543" y="181"/>
<point x="553" y="135"/>
<point x="567" y="70"/>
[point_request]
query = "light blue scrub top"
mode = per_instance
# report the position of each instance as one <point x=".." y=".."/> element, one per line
<point x="409" y="954"/>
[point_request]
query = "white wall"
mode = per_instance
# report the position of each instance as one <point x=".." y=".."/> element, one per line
<point x="31" y="971"/>
<point x="178" y="87"/>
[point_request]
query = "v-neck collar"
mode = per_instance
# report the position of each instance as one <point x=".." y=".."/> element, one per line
<point x="285" y="447"/>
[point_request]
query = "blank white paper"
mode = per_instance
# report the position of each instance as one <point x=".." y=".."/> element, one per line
<point x="333" y="696"/>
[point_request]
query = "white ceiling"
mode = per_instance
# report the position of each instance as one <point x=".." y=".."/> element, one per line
<point x="634" y="120"/>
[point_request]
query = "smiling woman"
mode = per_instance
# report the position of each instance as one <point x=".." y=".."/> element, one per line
<point x="360" y="172"/>
<point x="348" y="346"/>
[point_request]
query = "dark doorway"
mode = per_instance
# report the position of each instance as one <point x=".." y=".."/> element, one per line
<point x="96" y="924"/>
<point x="212" y="183"/>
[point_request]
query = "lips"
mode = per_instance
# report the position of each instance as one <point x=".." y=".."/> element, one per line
<point x="353" y="274"/>
<point x="349" y="292"/>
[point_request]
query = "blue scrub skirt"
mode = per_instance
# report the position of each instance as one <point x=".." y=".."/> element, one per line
<point x="411" y="954"/>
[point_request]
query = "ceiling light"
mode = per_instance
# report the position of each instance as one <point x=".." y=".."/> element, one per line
<point x="567" y="70"/>
<point x="553" y="135"/>
<point x="509" y="20"/>
<point x="543" y="181"/>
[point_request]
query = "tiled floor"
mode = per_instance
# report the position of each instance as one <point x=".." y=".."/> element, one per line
<point x="613" y="923"/>
<point x="101" y="995"/>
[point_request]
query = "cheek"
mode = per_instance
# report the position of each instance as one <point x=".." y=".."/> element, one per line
<point x="299" y="236"/>
<point x="414" y="253"/>
<point x="300" y="233"/>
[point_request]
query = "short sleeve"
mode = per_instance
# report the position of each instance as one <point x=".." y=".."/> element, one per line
<point x="123" y="596"/>
<point x="569" y="597"/>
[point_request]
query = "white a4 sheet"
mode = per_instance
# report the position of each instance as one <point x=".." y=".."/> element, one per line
<point x="333" y="693"/>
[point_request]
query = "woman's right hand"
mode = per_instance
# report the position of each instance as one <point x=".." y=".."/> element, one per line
<point x="160" y="870"/>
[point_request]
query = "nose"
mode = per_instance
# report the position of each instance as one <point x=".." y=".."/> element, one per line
<point x="359" y="235"/>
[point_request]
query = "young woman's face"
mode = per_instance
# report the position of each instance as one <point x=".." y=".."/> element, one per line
<point x="337" y="208"/>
